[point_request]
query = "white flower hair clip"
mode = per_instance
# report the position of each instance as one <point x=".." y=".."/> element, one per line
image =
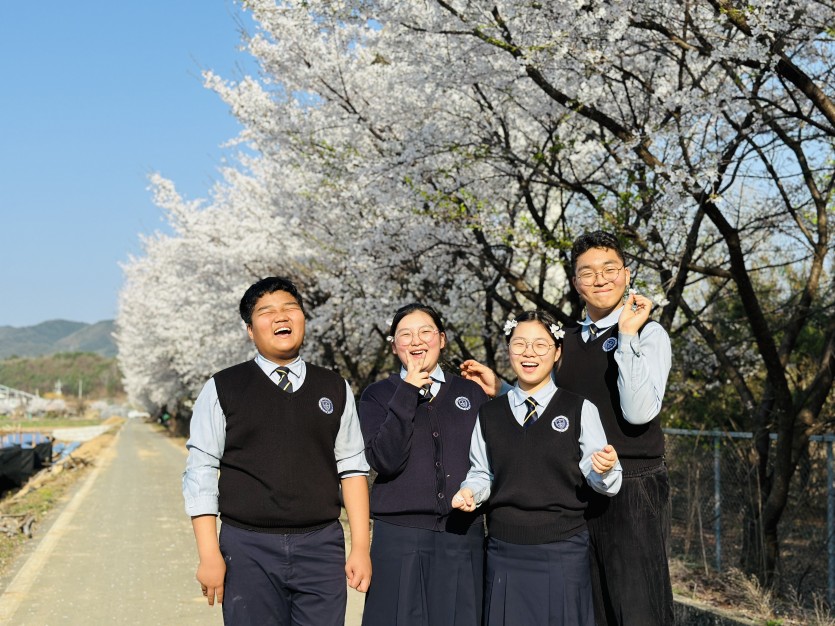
<point x="557" y="331"/>
<point x="509" y="325"/>
<point x="390" y="339"/>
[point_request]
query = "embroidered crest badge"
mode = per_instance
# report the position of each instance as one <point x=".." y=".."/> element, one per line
<point x="463" y="403"/>
<point x="610" y="344"/>
<point x="326" y="405"/>
<point x="560" y="423"/>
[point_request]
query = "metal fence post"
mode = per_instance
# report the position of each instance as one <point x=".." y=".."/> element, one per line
<point x="830" y="522"/>
<point x="717" y="499"/>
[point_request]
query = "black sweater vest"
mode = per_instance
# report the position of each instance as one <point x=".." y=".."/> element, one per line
<point x="591" y="371"/>
<point x="278" y="471"/>
<point x="538" y="493"/>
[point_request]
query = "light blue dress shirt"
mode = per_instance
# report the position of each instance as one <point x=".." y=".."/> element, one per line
<point x="208" y="439"/>
<point x="644" y="362"/>
<point x="592" y="438"/>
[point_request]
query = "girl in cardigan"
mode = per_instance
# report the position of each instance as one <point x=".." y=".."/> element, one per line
<point x="533" y="453"/>
<point x="417" y="424"/>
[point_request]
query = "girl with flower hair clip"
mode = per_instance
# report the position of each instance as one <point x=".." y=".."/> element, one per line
<point x="534" y="452"/>
<point x="417" y="424"/>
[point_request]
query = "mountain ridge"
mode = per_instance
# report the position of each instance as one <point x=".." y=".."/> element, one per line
<point x="57" y="336"/>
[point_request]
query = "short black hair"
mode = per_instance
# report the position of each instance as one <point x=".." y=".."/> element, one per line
<point x="544" y="318"/>
<point x="403" y="311"/>
<point x="264" y="286"/>
<point x="595" y="239"/>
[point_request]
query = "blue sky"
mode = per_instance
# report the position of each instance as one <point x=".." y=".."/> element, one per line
<point x="95" y="96"/>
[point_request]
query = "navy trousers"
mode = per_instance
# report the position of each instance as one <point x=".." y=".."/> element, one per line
<point x="284" y="580"/>
<point x="629" y="540"/>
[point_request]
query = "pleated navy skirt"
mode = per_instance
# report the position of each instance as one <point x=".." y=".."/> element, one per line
<point x="425" y="578"/>
<point x="539" y="585"/>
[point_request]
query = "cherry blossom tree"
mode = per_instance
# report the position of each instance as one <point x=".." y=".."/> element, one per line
<point x="449" y="151"/>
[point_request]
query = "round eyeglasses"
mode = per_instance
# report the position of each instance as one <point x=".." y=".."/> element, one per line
<point x="425" y="335"/>
<point x="609" y="274"/>
<point x="540" y="346"/>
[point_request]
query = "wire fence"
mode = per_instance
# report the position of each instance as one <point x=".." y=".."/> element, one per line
<point x="713" y="491"/>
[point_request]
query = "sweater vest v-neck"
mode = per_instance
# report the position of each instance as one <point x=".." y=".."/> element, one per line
<point x="589" y="369"/>
<point x="538" y="494"/>
<point x="278" y="471"/>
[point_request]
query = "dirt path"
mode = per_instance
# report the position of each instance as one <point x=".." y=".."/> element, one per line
<point x="121" y="551"/>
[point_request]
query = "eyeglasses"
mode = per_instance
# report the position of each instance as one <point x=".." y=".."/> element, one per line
<point x="540" y="346"/>
<point x="425" y="335"/>
<point x="609" y="274"/>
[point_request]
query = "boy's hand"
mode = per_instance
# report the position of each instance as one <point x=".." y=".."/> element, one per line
<point x="634" y="314"/>
<point x="604" y="460"/>
<point x="482" y="375"/>
<point x="464" y="500"/>
<point x="210" y="574"/>
<point x="358" y="570"/>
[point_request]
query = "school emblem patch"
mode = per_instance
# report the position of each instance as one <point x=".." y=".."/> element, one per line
<point x="326" y="405"/>
<point x="560" y="423"/>
<point x="610" y="344"/>
<point x="463" y="403"/>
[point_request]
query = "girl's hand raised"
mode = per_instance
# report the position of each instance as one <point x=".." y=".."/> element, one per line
<point x="464" y="500"/>
<point x="604" y="460"/>
<point x="415" y="374"/>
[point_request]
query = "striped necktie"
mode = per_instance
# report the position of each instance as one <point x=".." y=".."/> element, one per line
<point x="426" y="393"/>
<point x="593" y="331"/>
<point x="531" y="416"/>
<point x="284" y="379"/>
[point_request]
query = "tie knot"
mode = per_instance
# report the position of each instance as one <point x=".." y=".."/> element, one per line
<point x="531" y="403"/>
<point x="594" y="330"/>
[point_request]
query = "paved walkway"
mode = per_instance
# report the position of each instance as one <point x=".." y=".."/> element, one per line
<point x="121" y="551"/>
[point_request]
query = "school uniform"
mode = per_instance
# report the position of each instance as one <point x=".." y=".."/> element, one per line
<point x="427" y="558"/>
<point x="625" y="377"/>
<point x="533" y="478"/>
<point x="281" y="451"/>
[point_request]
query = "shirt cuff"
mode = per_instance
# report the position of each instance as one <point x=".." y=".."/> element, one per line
<point x="202" y="505"/>
<point x="350" y="473"/>
<point x="633" y="342"/>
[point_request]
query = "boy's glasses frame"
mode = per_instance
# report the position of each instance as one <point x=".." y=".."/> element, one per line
<point x="540" y="347"/>
<point x="609" y="274"/>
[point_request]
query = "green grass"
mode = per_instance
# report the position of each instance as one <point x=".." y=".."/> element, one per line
<point x="11" y="424"/>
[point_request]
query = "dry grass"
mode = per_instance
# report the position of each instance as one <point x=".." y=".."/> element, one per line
<point x="742" y="595"/>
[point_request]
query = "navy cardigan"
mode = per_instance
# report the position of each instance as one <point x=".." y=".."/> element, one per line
<point x="420" y="450"/>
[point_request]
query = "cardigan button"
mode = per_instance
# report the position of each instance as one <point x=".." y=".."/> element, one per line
<point x="436" y="434"/>
<point x="441" y="495"/>
<point x="437" y="463"/>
